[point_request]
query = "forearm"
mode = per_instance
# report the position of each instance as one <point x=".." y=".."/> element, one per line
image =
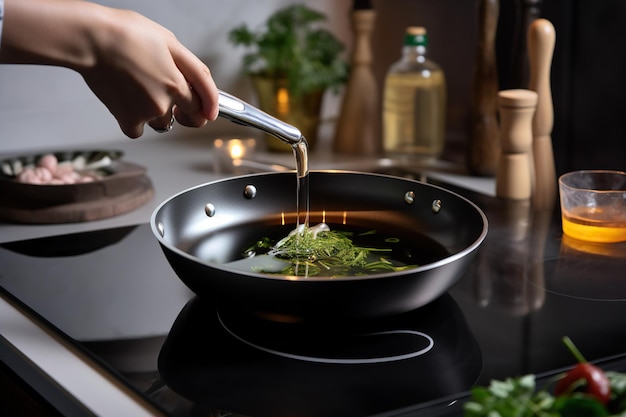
<point x="135" y="66"/>
<point x="43" y="32"/>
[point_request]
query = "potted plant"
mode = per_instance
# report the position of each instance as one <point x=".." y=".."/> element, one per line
<point x="292" y="61"/>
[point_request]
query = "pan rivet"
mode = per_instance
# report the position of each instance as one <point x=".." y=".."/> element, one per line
<point x="409" y="197"/>
<point x="249" y="192"/>
<point x="161" y="229"/>
<point x="436" y="206"/>
<point x="209" y="209"/>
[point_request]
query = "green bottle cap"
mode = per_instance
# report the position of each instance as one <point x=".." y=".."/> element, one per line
<point x="415" y="36"/>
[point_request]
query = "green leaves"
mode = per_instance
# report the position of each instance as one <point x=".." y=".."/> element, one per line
<point x="293" y="46"/>
<point x="617" y="403"/>
<point x="584" y="391"/>
<point x="518" y="397"/>
<point x="513" y="397"/>
<point x="328" y="253"/>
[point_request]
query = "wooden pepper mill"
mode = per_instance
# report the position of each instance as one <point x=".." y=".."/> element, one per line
<point x="358" y="127"/>
<point x="515" y="173"/>
<point x="527" y="11"/>
<point x="541" y="40"/>
<point x="483" y="136"/>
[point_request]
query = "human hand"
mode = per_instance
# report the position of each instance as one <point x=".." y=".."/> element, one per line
<point x="136" y="67"/>
<point x="142" y="73"/>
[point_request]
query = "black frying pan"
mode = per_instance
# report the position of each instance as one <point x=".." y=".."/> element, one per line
<point x="204" y="227"/>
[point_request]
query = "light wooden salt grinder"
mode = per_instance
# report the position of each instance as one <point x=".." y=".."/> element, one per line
<point x="484" y="143"/>
<point x="358" y="127"/>
<point x="514" y="174"/>
<point x="541" y="39"/>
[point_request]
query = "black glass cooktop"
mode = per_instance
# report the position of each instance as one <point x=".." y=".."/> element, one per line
<point x="113" y="294"/>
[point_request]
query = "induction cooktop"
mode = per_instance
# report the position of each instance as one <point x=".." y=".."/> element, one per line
<point x="113" y="294"/>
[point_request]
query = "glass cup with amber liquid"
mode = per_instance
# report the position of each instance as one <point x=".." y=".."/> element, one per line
<point x="593" y="205"/>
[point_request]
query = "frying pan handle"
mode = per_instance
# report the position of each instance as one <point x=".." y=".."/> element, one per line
<point x="238" y="111"/>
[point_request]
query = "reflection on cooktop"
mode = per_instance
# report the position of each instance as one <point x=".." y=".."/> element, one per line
<point x="72" y="245"/>
<point x="345" y="344"/>
<point x="247" y="365"/>
<point x="580" y="272"/>
<point x="113" y="293"/>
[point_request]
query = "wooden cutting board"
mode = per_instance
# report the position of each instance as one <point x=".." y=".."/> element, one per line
<point x="83" y="211"/>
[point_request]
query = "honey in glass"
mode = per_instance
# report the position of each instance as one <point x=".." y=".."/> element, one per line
<point x="593" y="205"/>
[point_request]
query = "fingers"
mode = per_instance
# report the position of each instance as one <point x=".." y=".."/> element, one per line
<point x="132" y="130"/>
<point x="203" y="92"/>
<point x="162" y="124"/>
<point x="189" y="120"/>
<point x="195" y="103"/>
<point x="190" y="96"/>
<point x="188" y="109"/>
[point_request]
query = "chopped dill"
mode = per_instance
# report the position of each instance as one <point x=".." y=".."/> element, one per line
<point x="319" y="251"/>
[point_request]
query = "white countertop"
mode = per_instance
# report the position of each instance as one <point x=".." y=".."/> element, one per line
<point x="173" y="165"/>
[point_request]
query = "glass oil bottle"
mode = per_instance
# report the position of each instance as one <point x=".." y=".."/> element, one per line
<point x="414" y="102"/>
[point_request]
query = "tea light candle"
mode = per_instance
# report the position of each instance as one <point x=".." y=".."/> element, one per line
<point x="230" y="151"/>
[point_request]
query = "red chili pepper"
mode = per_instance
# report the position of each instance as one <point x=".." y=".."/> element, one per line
<point x="584" y="377"/>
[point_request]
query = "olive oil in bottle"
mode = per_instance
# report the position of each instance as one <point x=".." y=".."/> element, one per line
<point x="414" y="102"/>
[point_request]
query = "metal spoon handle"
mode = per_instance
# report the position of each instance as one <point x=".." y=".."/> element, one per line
<point x="238" y="111"/>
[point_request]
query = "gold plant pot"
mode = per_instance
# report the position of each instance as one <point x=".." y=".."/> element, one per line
<point x="301" y="111"/>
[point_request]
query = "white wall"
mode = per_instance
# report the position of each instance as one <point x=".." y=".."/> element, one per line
<point x="45" y="107"/>
<point x="49" y="107"/>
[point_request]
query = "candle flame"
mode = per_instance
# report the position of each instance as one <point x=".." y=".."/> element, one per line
<point x="237" y="150"/>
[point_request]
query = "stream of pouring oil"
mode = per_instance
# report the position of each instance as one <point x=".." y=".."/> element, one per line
<point x="300" y="152"/>
<point x="240" y="112"/>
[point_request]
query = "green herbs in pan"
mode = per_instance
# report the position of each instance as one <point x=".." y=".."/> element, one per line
<point x="319" y="251"/>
